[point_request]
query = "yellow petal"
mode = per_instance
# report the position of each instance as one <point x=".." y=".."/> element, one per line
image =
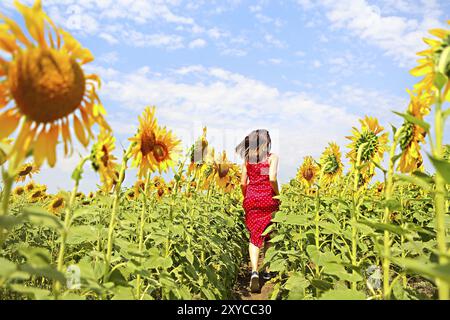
<point x="65" y="130"/>
<point x="440" y="33"/>
<point x="52" y="139"/>
<point x="79" y="131"/>
<point x="421" y="70"/>
<point x="9" y="121"/>
<point x="34" y="20"/>
<point x="16" y="30"/>
<point x="40" y="148"/>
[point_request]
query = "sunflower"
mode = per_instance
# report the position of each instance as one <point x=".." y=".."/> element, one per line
<point x="37" y="194"/>
<point x="308" y="172"/>
<point x="222" y="172"/>
<point x="46" y="83"/>
<point x="56" y="205"/>
<point x="103" y="161"/>
<point x="30" y="186"/>
<point x="139" y="186"/>
<point x="430" y="62"/>
<point x="166" y="150"/>
<point x="27" y="170"/>
<point x="331" y="163"/>
<point x="18" y="191"/>
<point x="199" y="152"/>
<point x="145" y="140"/>
<point x="131" y="194"/>
<point x="376" y="144"/>
<point x="412" y="135"/>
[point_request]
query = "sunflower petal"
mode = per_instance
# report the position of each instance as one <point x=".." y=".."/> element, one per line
<point x="9" y="121"/>
<point x="34" y="20"/>
<point x="16" y="30"/>
<point x="40" y="148"/>
<point x="440" y="33"/>
<point x="52" y="140"/>
<point x="79" y="131"/>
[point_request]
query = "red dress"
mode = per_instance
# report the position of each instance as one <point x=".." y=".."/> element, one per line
<point x="258" y="202"/>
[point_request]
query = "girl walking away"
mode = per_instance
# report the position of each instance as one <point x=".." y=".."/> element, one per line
<point x="259" y="185"/>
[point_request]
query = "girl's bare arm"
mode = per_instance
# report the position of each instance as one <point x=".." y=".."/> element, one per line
<point x="244" y="179"/>
<point x="273" y="173"/>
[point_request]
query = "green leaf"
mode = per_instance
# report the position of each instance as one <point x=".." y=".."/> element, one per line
<point x="442" y="167"/>
<point x="36" y="293"/>
<point x="385" y="227"/>
<point x="6" y="267"/>
<point x="8" y="222"/>
<point x="296" y="284"/>
<point x="41" y="217"/>
<point x="343" y="294"/>
<point x="440" y="80"/>
<point x="422" y="182"/>
<point x="81" y="234"/>
<point x="410" y="118"/>
<point x="431" y="270"/>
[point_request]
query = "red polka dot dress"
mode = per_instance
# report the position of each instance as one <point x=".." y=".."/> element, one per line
<point x="258" y="202"/>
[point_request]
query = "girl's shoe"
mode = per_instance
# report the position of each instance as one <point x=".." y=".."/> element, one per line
<point x="268" y="275"/>
<point x="254" y="282"/>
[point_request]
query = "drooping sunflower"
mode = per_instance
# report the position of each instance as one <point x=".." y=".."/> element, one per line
<point x="56" y="205"/>
<point x="331" y="163"/>
<point x="222" y="168"/>
<point x="308" y="172"/>
<point x="376" y="141"/>
<point x="199" y="152"/>
<point x="145" y="140"/>
<point x="45" y="87"/>
<point x="166" y="150"/>
<point x="428" y="64"/>
<point x="27" y="170"/>
<point x="103" y="160"/>
<point x="412" y="135"/>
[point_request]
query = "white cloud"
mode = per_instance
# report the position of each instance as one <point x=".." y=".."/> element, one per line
<point x="398" y="36"/>
<point x="274" y="41"/>
<point x="197" y="43"/>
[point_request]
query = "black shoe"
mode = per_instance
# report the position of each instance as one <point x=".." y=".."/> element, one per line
<point x="254" y="282"/>
<point x="268" y="275"/>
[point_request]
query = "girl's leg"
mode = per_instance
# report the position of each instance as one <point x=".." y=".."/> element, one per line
<point x="266" y="247"/>
<point x="254" y="256"/>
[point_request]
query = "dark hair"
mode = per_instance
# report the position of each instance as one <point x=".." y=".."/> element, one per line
<point x="255" y="147"/>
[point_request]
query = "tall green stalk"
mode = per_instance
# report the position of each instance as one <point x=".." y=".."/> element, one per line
<point x="355" y="211"/>
<point x="141" y="231"/>
<point x="115" y="207"/>
<point x="68" y="216"/>
<point x="389" y="187"/>
<point x="439" y="198"/>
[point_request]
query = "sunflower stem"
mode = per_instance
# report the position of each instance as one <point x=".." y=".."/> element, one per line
<point x="387" y="213"/>
<point x="141" y="231"/>
<point x="67" y="219"/>
<point x="115" y="207"/>
<point x="439" y="198"/>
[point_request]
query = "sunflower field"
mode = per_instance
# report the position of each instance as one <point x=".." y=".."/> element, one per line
<point x="339" y="234"/>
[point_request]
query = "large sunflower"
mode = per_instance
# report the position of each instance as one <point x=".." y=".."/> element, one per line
<point x="331" y="163"/>
<point x="103" y="160"/>
<point x="166" y="150"/>
<point x="145" y="140"/>
<point x="45" y="87"/>
<point x="428" y="64"/>
<point x="376" y="144"/>
<point x="412" y="135"/>
<point x="308" y="172"/>
<point x="27" y="170"/>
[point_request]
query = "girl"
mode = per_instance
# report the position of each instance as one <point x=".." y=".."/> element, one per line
<point x="259" y="185"/>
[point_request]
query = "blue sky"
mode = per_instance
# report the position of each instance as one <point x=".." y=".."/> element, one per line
<point x="305" y="70"/>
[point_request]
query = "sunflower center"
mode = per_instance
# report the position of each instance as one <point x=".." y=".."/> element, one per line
<point x="223" y="170"/>
<point x="160" y="152"/>
<point x="25" y="171"/>
<point x="370" y="149"/>
<point x="105" y="157"/>
<point x="147" y="142"/>
<point x="308" y="174"/>
<point x="19" y="191"/>
<point x="58" y="203"/>
<point x="46" y="84"/>
<point x="407" y="135"/>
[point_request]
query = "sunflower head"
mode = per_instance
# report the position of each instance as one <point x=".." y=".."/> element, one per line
<point x="37" y="194"/>
<point x="132" y="194"/>
<point x="370" y="140"/>
<point x="102" y="158"/>
<point x="166" y="150"/>
<point x="45" y="82"/>
<point x="331" y="163"/>
<point x="19" y="191"/>
<point x="308" y="172"/>
<point x="56" y="205"/>
<point x="27" y="170"/>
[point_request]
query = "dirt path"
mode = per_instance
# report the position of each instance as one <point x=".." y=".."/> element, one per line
<point x="241" y="290"/>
